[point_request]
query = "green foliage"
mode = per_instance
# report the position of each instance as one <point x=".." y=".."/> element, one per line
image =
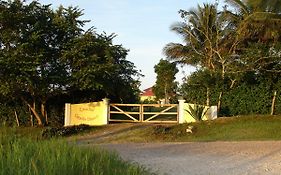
<point x="65" y="131"/>
<point x="197" y="111"/>
<point x="160" y="129"/>
<point x="194" y="88"/>
<point x="236" y="129"/>
<point x="251" y="96"/>
<point x="46" y="56"/>
<point x="225" y="47"/>
<point x="242" y="128"/>
<point x="165" y="87"/>
<point x="148" y="101"/>
<point x="278" y="103"/>
<point x="201" y="31"/>
<point x="256" y="20"/>
<point x="193" y="93"/>
<point x="8" y="111"/>
<point x="96" y="64"/>
<point x="247" y="99"/>
<point x="30" y="65"/>
<point x="256" y="29"/>
<point x="27" y="156"/>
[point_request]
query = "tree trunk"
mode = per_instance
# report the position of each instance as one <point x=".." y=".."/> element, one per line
<point x="166" y="94"/>
<point x="31" y="117"/>
<point x="208" y="96"/>
<point x="221" y="92"/>
<point x="33" y="110"/>
<point x="36" y="115"/>
<point x="220" y="101"/>
<point x="273" y="102"/>
<point x="17" y="119"/>
<point x="44" y="112"/>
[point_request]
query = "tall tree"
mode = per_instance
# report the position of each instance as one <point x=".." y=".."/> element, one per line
<point x="45" y="53"/>
<point x="30" y="47"/>
<point x="96" y="64"/>
<point x="165" y="86"/>
<point x="207" y="38"/>
<point x="258" y="40"/>
<point x="198" y="31"/>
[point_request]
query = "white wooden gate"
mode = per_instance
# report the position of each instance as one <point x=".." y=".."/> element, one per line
<point x="150" y="113"/>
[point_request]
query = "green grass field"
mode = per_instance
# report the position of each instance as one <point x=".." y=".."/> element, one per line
<point x="21" y="153"/>
<point x="225" y="129"/>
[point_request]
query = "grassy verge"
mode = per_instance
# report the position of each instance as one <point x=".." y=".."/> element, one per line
<point x="23" y="151"/>
<point x="223" y="129"/>
<point x="28" y="156"/>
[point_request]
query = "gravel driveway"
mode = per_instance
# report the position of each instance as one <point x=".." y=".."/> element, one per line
<point x="211" y="158"/>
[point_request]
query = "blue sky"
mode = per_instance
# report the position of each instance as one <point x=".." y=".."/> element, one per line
<point x="142" y="26"/>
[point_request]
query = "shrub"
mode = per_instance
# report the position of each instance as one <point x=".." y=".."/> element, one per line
<point x="197" y="112"/>
<point x="64" y="131"/>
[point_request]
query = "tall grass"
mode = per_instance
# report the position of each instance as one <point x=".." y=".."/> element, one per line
<point x="26" y="156"/>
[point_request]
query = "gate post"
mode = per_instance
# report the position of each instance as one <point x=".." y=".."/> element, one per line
<point x="67" y="114"/>
<point x="181" y="111"/>
<point x="106" y="110"/>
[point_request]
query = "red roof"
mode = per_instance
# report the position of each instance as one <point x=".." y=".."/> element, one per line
<point x="147" y="92"/>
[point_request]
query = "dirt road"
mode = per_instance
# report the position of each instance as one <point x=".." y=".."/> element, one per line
<point x="191" y="158"/>
<point x="204" y="158"/>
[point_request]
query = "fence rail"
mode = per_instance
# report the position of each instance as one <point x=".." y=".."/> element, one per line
<point x="152" y="113"/>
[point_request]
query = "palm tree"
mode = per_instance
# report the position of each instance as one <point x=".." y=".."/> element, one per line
<point x="214" y="40"/>
<point x="252" y="6"/>
<point x="199" y="30"/>
<point x="204" y="31"/>
<point x="257" y="20"/>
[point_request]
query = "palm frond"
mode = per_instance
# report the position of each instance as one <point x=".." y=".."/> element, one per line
<point x="240" y="5"/>
<point x="260" y="26"/>
<point x="180" y="29"/>
<point x="174" y="50"/>
<point x="265" y="5"/>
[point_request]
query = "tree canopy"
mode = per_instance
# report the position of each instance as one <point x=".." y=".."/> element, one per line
<point x="46" y="54"/>
<point x="165" y="87"/>
<point x="227" y="45"/>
